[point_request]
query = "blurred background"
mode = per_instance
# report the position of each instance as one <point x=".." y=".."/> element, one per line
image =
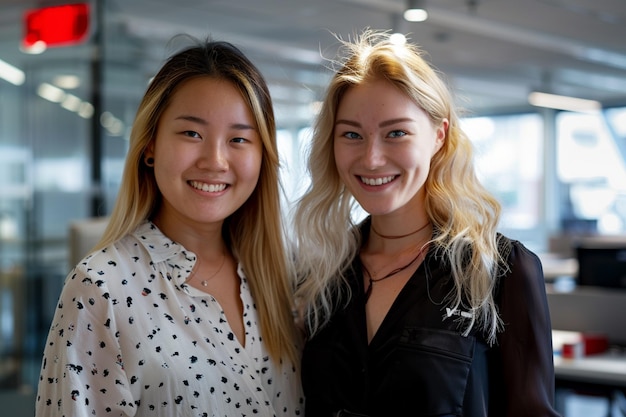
<point x="542" y="85"/>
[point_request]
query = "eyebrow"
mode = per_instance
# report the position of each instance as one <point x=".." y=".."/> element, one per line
<point x="201" y="121"/>
<point x="381" y="124"/>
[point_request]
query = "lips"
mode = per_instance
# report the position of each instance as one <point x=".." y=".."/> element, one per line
<point x="377" y="181"/>
<point x="211" y="188"/>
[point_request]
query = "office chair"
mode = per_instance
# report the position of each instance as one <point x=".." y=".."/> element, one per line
<point x="83" y="236"/>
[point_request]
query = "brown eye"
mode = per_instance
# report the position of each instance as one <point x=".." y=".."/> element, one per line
<point x="191" y="134"/>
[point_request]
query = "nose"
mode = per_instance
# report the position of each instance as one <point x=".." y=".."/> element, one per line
<point x="214" y="156"/>
<point x="373" y="156"/>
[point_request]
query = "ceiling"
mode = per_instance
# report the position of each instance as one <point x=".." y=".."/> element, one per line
<point x="493" y="52"/>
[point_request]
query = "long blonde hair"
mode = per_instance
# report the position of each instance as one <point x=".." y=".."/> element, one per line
<point x="464" y="214"/>
<point x="255" y="231"/>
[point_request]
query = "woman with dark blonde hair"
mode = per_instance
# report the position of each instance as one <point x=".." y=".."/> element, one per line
<point x="423" y="308"/>
<point x="184" y="307"/>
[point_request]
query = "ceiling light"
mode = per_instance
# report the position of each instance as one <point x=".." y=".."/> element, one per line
<point x="11" y="74"/>
<point x="71" y="102"/>
<point x="85" y="110"/>
<point x="50" y="92"/>
<point x="554" y="101"/>
<point x="397" y="39"/>
<point x="68" y="82"/>
<point x="416" y="11"/>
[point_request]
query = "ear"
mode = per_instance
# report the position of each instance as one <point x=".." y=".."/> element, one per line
<point x="149" y="150"/>
<point x="148" y="155"/>
<point x="442" y="133"/>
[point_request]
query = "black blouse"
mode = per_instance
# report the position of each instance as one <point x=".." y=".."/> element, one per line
<point x="420" y="364"/>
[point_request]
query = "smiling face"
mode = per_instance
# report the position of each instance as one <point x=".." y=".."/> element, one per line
<point x="383" y="144"/>
<point x="207" y="154"/>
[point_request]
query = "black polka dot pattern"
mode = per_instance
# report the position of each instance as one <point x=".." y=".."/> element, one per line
<point x="130" y="338"/>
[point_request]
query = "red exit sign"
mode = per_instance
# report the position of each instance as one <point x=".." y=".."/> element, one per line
<point x="56" y="25"/>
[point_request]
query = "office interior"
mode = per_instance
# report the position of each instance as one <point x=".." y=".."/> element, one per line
<point x="558" y="166"/>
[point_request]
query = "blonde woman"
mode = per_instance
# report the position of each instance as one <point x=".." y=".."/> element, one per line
<point x="184" y="307"/>
<point x="422" y="309"/>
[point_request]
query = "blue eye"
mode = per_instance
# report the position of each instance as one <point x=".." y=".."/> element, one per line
<point x="352" y="135"/>
<point x="397" y="133"/>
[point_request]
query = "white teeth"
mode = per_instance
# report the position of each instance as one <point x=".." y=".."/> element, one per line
<point x="377" y="181"/>
<point x="211" y="188"/>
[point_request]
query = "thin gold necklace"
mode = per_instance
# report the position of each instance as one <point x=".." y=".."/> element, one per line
<point x="205" y="282"/>
<point x="372" y="280"/>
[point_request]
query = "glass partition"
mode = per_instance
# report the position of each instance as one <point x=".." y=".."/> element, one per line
<point x="591" y="169"/>
<point x="509" y="160"/>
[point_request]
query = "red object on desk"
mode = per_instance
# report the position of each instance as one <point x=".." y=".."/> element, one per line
<point x="572" y="350"/>
<point x="594" y="343"/>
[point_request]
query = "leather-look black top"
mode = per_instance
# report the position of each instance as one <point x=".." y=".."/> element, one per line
<point x="419" y="363"/>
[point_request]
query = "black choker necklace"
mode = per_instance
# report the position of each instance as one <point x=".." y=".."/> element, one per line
<point x="400" y="236"/>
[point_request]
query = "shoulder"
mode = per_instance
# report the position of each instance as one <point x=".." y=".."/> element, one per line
<point x="521" y="272"/>
<point x="513" y="252"/>
<point x="122" y="251"/>
<point x="127" y="257"/>
<point x="146" y="245"/>
<point x="101" y="269"/>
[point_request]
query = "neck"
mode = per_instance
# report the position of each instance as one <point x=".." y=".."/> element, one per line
<point x="204" y="240"/>
<point x="393" y="244"/>
<point x="402" y="235"/>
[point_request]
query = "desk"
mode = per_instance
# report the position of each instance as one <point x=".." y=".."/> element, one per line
<point x="586" y="309"/>
<point x="603" y="370"/>
<point x="600" y="375"/>
<point x="555" y="266"/>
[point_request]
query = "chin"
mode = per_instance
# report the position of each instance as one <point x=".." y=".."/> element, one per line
<point x="377" y="211"/>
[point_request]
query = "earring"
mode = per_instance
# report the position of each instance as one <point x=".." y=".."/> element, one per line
<point x="149" y="161"/>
